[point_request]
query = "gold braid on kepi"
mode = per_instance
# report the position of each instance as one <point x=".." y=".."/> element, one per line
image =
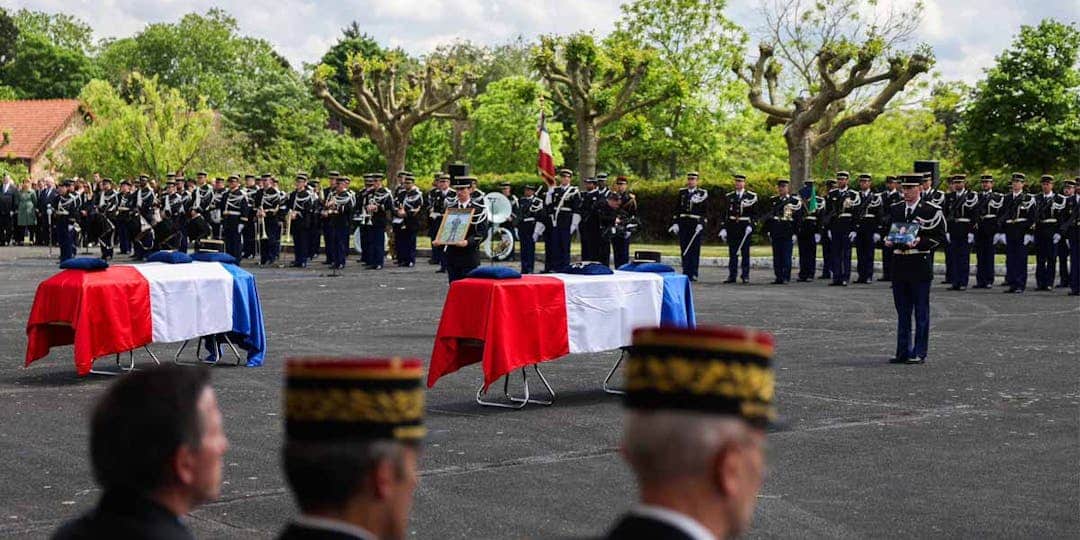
<point x="354" y="399"/>
<point x="711" y="370"/>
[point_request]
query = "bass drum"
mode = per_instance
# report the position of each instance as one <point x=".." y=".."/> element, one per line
<point x="499" y="244"/>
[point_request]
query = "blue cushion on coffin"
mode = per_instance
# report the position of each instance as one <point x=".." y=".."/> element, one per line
<point x="171" y="257"/>
<point x="648" y="267"/>
<point x="629" y="267"/>
<point x="213" y="256"/>
<point x="587" y="269"/>
<point x="494" y="272"/>
<point x="84" y="263"/>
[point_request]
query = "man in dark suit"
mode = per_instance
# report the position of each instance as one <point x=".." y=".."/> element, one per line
<point x="352" y="473"/>
<point x="156" y="447"/>
<point x="913" y="268"/>
<point x="696" y="443"/>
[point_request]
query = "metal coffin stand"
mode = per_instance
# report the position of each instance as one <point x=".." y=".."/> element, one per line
<point x="514" y="401"/>
<point x="212" y="339"/>
<point x="615" y="367"/>
<point x="130" y="364"/>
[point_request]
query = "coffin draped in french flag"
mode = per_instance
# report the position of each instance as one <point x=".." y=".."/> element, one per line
<point x="124" y="307"/>
<point x="539" y="318"/>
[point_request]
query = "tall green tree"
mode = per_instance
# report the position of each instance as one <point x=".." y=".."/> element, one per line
<point x="9" y="38"/>
<point x="1026" y="113"/>
<point x="205" y="56"/>
<point x="352" y="42"/>
<point x="833" y="53"/>
<point x="156" y="131"/>
<point x="60" y="29"/>
<point x="392" y="94"/>
<point x="502" y="138"/>
<point x="44" y="70"/>
<point x="694" y="38"/>
<point x="600" y="83"/>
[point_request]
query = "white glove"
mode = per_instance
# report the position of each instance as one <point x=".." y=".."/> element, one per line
<point x="971" y="238"/>
<point x="240" y="229"/>
<point x="829" y="234"/>
<point x="1057" y="238"/>
<point x="575" y="220"/>
<point x="748" y="228"/>
<point x="539" y="230"/>
<point x="877" y="238"/>
<point x="999" y="239"/>
<point x="723" y="234"/>
<point x="1028" y="239"/>
<point x="48" y="210"/>
<point x="536" y="236"/>
<point x="851" y="237"/>
<point x="626" y="235"/>
<point x="698" y="229"/>
<point x="817" y="238"/>
<point x="948" y="237"/>
<point x="794" y="239"/>
<point x="674" y="229"/>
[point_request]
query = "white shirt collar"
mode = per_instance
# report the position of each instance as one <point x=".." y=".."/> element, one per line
<point x="682" y="522"/>
<point x="327" y="524"/>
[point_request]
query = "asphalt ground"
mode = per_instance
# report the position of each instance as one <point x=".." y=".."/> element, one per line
<point x="982" y="441"/>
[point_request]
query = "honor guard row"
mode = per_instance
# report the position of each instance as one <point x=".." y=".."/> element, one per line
<point x="843" y="219"/>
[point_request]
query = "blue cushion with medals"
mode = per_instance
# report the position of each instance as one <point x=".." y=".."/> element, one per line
<point x="171" y="257"/>
<point x="588" y="269"/>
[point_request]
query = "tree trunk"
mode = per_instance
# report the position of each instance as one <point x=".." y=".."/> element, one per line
<point x="395" y="160"/>
<point x="587" y="146"/>
<point x="799" y="156"/>
<point x="457" y="139"/>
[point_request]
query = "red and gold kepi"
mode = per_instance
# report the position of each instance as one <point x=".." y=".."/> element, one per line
<point x="712" y="370"/>
<point x="339" y="399"/>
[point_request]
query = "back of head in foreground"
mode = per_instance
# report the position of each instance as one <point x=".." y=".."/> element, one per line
<point x="156" y="449"/>
<point x="353" y="432"/>
<point x="698" y="403"/>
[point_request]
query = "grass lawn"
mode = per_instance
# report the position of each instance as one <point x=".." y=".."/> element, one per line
<point x="707" y="250"/>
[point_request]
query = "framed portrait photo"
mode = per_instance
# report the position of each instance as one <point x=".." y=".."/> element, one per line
<point x="455" y="225"/>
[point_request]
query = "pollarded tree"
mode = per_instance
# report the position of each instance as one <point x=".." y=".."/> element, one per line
<point x="392" y="94"/>
<point x="838" y="51"/>
<point x="599" y="83"/>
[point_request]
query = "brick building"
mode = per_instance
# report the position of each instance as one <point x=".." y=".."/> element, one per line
<point x="34" y="131"/>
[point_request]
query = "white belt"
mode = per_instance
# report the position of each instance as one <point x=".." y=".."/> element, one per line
<point x="232" y="213"/>
<point x="845" y="214"/>
<point x="962" y="220"/>
<point x="690" y="216"/>
<point x="739" y="219"/>
<point x="1051" y="220"/>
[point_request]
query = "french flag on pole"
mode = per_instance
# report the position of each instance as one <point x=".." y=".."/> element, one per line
<point x="545" y="161"/>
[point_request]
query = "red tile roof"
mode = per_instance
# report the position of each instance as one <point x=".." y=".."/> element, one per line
<point x="32" y="123"/>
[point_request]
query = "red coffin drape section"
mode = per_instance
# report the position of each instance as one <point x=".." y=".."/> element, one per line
<point x="520" y="322"/>
<point x="101" y="312"/>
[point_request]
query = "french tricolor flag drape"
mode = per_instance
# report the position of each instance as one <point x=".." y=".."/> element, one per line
<point x="539" y="318"/>
<point x="545" y="161"/>
<point x="125" y="307"/>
